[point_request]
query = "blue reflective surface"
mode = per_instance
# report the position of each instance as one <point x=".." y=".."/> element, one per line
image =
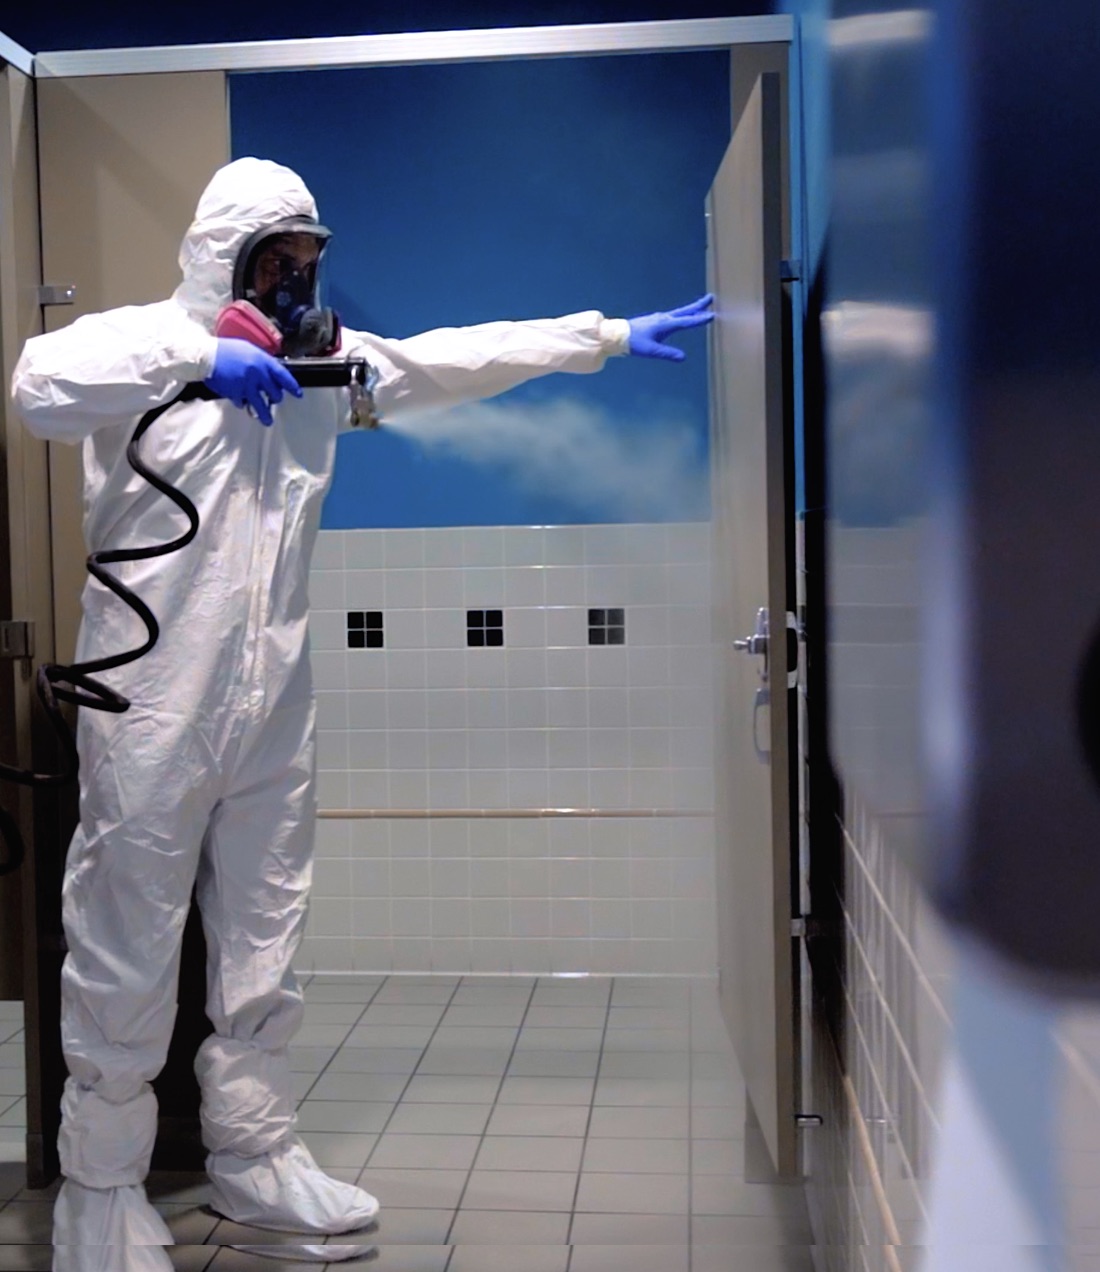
<point x="879" y="341"/>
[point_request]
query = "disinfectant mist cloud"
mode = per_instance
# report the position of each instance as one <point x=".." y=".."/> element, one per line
<point x="575" y="452"/>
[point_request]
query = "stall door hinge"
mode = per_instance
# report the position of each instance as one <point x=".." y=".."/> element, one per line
<point x="57" y="294"/>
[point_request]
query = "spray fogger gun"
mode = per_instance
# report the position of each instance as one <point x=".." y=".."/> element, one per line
<point x="305" y="343"/>
<point x="76" y="682"/>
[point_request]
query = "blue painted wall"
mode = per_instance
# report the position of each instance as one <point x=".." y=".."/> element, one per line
<point x="462" y="194"/>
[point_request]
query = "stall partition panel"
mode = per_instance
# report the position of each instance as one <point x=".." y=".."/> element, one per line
<point x="753" y="578"/>
<point x="122" y="161"/>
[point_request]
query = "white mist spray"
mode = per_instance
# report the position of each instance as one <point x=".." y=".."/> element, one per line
<point x="574" y="451"/>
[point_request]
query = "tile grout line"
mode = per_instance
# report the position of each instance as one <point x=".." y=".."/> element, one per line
<point x="588" y="1123"/>
<point x="691" y="1128"/>
<point x="492" y="1109"/>
<point x="412" y="1074"/>
<point x="340" y="1045"/>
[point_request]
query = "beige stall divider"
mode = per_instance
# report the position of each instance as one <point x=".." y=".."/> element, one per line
<point x="123" y="160"/>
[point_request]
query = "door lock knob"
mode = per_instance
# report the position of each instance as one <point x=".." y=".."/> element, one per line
<point x="757" y="643"/>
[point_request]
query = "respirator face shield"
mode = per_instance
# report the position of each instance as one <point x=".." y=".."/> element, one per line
<point x="279" y="272"/>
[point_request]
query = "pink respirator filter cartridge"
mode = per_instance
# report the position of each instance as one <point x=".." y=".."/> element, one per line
<point x="243" y="321"/>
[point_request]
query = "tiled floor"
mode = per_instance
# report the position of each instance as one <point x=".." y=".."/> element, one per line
<point x="506" y="1125"/>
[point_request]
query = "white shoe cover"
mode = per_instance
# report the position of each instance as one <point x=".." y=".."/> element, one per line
<point x="287" y="1191"/>
<point x="108" y="1230"/>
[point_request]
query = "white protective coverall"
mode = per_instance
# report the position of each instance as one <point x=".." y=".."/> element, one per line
<point x="208" y="779"/>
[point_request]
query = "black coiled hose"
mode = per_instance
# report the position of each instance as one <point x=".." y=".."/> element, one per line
<point x="76" y="682"/>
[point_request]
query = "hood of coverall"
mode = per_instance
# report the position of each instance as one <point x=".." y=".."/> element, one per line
<point x="241" y="198"/>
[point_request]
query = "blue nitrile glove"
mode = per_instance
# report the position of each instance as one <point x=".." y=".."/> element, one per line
<point x="247" y="376"/>
<point x="648" y="333"/>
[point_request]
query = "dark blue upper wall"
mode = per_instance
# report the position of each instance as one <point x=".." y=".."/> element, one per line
<point x="99" y="26"/>
<point x="463" y="194"/>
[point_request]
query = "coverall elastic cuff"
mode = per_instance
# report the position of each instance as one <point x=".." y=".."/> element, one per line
<point x="198" y="361"/>
<point x="615" y="335"/>
<point x="105" y="1145"/>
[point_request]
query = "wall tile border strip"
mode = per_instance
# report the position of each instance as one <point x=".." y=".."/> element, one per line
<point x="431" y="814"/>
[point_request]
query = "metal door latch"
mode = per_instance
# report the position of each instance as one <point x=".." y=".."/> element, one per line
<point x="16" y="639"/>
<point x="757" y="643"/>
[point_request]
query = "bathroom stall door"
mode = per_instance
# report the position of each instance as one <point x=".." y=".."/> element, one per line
<point x="754" y="594"/>
<point x="122" y="160"/>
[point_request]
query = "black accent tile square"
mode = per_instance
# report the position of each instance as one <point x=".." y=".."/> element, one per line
<point x="607" y="626"/>
<point x="365" y="629"/>
<point x="484" y="627"/>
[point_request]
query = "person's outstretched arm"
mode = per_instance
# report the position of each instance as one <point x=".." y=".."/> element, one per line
<point x="451" y="365"/>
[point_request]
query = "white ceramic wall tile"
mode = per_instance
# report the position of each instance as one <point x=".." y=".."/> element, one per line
<point x="332" y="749"/>
<point x="490" y="917"/>
<point x="608" y="584"/>
<point x="403" y="548"/>
<point x="646" y="585"/>
<point x="407" y="708"/>
<point x="332" y="789"/>
<point x="488" y="748"/>
<point x="688" y="541"/>
<point x="448" y="748"/>
<point x="364" y="590"/>
<point x="327" y="589"/>
<point x="410" y="877"/>
<point x="650" y="708"/>
<point x="332" y="709"/>
<point x="367" y="709"/>
<point x="442" y="547"/>
<point x="363" y="549"/>
<point x="404" y="589"/>
<point x="607" y="667"/>
<point x="528" y="748"/>
<point x="482" y="545"/>
<point x="526" y="668"/>
<point x="489" y="788"/>
<point x="328" y="552"/>
<point x="405" y="629"/>
<point x="327" y="630"/>
<point x="564" y="545"/>
<point x="527" y="630"/>
<point x="525" y="585"/>
<point x="369" y="789"/>
<point x="405" y="669"/>
<point x="445" y="589"/>
<point x="409" y="788"/>
<point x="609" y="708"/>
<point x="606" y="544"/>
<point x="524" y="545"/>
<point x="528" y="707"/>
<point x="567" y="668"/>
<point x="565" y="584"/>
<point x="483" y="587"/>
<point x="546" y="721"/>
<point x="528" y="788"/>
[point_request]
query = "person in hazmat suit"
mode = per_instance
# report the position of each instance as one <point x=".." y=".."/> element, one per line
<point x="207" y="781"/>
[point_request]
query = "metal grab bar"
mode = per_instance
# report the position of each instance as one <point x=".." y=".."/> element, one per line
<point x="413" y="814"/>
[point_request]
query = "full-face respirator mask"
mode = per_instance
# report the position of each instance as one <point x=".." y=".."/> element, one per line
<point x="276" y="292"/>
